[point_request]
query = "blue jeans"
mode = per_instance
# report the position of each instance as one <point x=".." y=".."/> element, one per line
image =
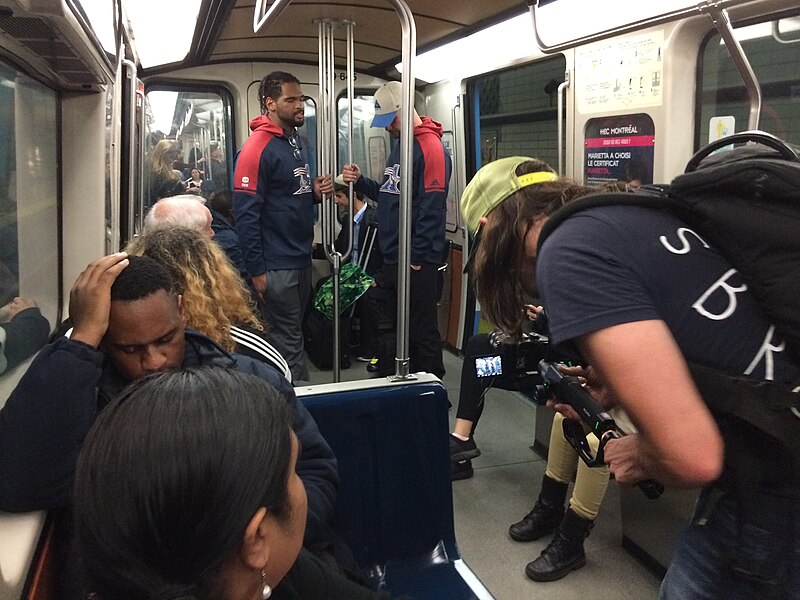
<point x="756" y="556"/>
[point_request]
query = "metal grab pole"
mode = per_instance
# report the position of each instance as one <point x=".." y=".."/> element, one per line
<point x="723" y="26"/>
<point x="409" y="30"/>
<point x="328" y="138"/>
<point x="562" y="90"/>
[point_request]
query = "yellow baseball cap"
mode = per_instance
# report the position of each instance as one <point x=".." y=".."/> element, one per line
<point x="493" y="183"/>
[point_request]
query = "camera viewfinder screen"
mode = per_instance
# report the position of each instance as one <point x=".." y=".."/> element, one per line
<point x="488" y="366"/>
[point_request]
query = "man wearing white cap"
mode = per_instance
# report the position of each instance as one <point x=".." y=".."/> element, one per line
<point x="432" y="167"/>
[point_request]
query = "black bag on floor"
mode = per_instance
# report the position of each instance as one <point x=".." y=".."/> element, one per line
<point x="318" y="340"/>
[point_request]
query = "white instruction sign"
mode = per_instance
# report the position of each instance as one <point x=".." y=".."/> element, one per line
<point x="620" y="74"/>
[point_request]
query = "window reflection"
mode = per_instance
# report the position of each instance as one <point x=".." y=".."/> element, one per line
<point x="188" y="145"/>
<point x="28" y="219"/>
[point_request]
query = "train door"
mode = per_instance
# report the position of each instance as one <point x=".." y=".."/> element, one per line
<point x="512" y="112"/>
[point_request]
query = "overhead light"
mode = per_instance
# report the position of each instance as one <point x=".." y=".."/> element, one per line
<point x="162" y="31"/>
<point x="267" y="11"/>
<point x="485" y="50"/>
<point x="162" y="108"/>
<point x="101" y="17"/>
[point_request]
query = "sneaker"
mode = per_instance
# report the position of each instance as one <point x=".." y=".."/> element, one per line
<point x="461" y="450"/>
<point x="372" y="365"/>
<point x="461" y="470"/>
<point x="365" y="359"/>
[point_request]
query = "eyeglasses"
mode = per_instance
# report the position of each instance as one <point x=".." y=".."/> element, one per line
<point x="294" y="143"/>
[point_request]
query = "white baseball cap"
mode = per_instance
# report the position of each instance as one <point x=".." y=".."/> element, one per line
<point x="387" y="103"/>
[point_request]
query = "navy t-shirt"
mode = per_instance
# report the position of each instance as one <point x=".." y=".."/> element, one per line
<point x="618" y="264"/>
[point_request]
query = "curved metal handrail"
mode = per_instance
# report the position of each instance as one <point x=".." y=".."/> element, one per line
<point x="673" y="15"/>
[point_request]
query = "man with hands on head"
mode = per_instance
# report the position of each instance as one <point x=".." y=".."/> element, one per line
<point x="128" y="322"/>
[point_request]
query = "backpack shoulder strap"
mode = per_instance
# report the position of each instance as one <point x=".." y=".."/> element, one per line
<point x="648" y="197"/>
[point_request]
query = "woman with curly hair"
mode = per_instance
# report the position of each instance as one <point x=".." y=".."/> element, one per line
<point x="216" y="300"/>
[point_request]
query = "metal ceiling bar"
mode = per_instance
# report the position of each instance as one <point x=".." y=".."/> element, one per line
<point x="674" y="15"/>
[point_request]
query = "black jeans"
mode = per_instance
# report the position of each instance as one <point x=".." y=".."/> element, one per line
<point x="473" y="388"/>
<point x="424" y="343"/>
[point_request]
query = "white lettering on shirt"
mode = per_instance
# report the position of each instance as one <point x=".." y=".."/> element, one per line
<point x="766" y="351"/>
<point x="730" y="290"/>
<point x="686" y="247"/>
<point x="392" y="183"/>
<point x="302" y="173"/>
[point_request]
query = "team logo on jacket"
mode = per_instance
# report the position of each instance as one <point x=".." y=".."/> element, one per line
<point x="302" y="173"/>
<point x="245" y="181"/>
<point x="392" y="183"/>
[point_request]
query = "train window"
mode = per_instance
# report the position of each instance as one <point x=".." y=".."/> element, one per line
<point x="29" y="232"/>
<point x="370" y="144"/>
<point x="517" y="112"/>
<point x="188" y="141"/>
<point x="721" y="92"/>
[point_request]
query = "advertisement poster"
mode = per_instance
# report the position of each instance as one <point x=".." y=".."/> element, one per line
<point x="619" y="149"/>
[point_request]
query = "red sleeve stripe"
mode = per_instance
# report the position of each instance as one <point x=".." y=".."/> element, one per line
<point x="433" y="155"/>
<point x="245" y="177"/>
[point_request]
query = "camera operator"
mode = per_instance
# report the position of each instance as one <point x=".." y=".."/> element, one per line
<point x="640" y="293"/>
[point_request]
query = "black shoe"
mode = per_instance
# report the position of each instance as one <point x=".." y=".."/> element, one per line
<point x="372" y="366"/>
<point x="565" y="553"/>
<point x="546" y="514"/>
<point x="461" y="470"/>
<point x="461" y="450"/>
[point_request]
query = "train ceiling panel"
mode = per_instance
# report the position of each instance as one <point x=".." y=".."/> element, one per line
<point x="377" y="33"/>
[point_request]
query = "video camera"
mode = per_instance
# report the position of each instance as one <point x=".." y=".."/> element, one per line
<point x="515" y="361"/>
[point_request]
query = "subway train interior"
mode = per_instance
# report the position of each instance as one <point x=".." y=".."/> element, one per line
<point x="602" y="91"/>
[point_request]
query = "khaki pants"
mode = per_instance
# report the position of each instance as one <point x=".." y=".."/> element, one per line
<point x="590" y="483"/>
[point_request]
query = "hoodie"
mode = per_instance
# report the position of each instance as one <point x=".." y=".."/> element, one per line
<point x="273" y="201"/>
<point x="430" y="181"/>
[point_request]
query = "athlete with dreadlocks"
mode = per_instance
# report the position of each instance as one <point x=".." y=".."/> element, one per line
<point x="273" y="205"/>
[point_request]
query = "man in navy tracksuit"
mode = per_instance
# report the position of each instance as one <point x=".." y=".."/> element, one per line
<point x="273" y="206"/>
<point x="430" y="180"/>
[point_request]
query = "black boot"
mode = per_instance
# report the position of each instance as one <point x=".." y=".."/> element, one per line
<point x="565" y="553"/>
<point x="546" y="514"/>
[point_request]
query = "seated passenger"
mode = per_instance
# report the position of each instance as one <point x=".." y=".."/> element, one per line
<point x="565" y="552"/>
<point x="183" y="211"/>
<point x="212" y="509"/>
<point x="23" y="330"/>
<point x="368" y="306"/>
<point x="215" y="299"/>
<point x="128" y="323"/>
<point x="221" y="206"/>
<point x="195" y="181"/>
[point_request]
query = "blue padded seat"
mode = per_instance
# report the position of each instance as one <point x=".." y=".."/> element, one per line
<point x="395" y="507"/>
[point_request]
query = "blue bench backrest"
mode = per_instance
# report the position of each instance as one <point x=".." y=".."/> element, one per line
<point x="395" y="507"/>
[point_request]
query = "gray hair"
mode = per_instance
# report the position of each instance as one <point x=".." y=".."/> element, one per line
<point x="180" y="210"/>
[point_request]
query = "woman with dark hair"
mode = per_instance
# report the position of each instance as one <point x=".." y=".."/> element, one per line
<point x="641" y="295"/>
<point x="211" y="509"/>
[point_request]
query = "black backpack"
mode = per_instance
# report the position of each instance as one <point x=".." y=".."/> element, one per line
<point x="746" y="203"/>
